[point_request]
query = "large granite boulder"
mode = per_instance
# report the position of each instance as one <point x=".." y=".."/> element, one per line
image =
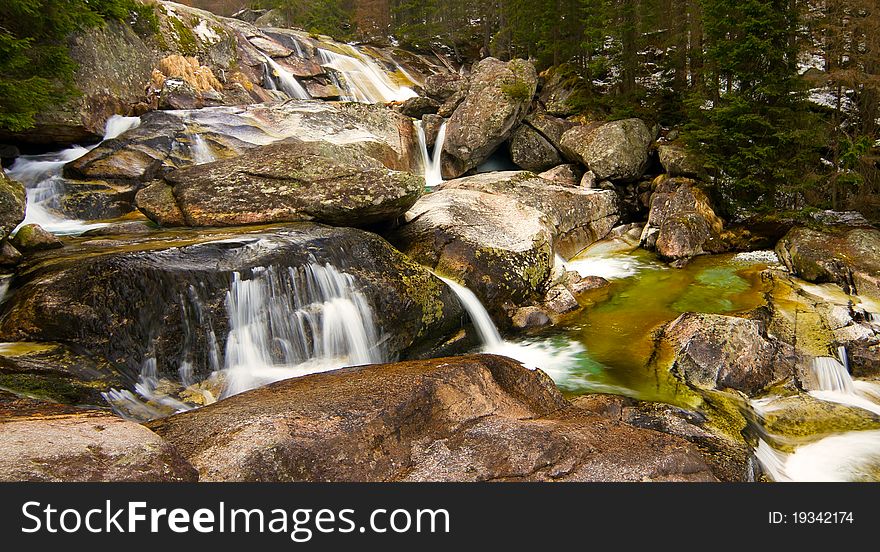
<point x="497" y="246"/>
<point x="681" y="221"/>
<point x="713" y="351"/>
<point x="844" y="255"/>
<point x="531" y="151"/>
<point x="288" y="181"/>
<point x="498" y="97"/>
<point x="164" y="295"/>
<point x="42" y="442"/>
<point x="472" y="418"/>
<point x="616" y="151"/>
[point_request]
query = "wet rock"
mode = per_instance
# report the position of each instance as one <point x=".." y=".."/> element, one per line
<point x="712" y="351"/>
<point x="802" y="415"/>
<point x="730" y="458"/>
<point x="577" y="217"/>
<point x="498" y="97"/>
<point x="681" y="222"/>
<point x="530" y="317"/>
<point x="126" y="298"/>
<point x="531" y="151"/>
<point x="9" y="255"/>
<point x="95" y="200"/>
<point x="442" y="86"/>
<point x="495" y="245"/>
<point x="53" y="372"/>
<point x="323" y="91"/>
<point x="89" y="445"/>
<point x="476" y="418"/>
<point x="418" y="107"/>
<point x="32" y="237"/>
<point x="163" y="141"/>
<point x="615" y="151"/>
<point x="157" y="202"/>
<point x="12" y="204"/>
<point x="564" y="175"/>
<point x="121" y="228"/>
<point x="844" y="255"/>
<point x="292" y="181"/>
<point x="677" y="161"/>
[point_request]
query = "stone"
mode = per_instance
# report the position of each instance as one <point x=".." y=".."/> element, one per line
<point x="564" y="175"/>
<point x="677" y="161"/>
<point x="472" y="418"/>
<point x="531" y="151"/>
<point x="442" y="86"/>
<point x="418" y="107"/>
<point x="616" y="151"/>
<point x="498" y="97"/>
<point x="12" y="204"/>
<point x="32" y="237"/>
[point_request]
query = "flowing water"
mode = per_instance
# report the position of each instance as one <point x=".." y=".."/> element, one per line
<point x="287" y="83"/>
<point x="363" y="80"/>
<point x="200" y="150"/>
<point x="431" y="162"/>
<point x="41" y="177"/>
<point x="284" y="322"/>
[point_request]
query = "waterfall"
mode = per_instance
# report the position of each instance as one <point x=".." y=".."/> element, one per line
<point x="431" y="163"/>
<point x="851" y="456"/>
<point x="288" y="83"/>
<point x="835" y="384"/>
<point x="41" y="176"/>
<point x="268" y="79"/>
<point x="291" y="322"/>
<point x="558" y="360"/>
<point x="365" y="81"/>
<point x="117" y="125"/>
<point x="200" y="151"/>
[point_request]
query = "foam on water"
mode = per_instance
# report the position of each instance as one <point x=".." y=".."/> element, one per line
<point x="363" y="80"/>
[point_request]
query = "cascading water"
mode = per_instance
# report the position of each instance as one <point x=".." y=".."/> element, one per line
<point x="41" y="176"/>
<point x="431" y="163"/>
<point x="553" y="358"/>
<point x="286" y="81"/>
<point x="364" y="81"/>
<point x="200" y="150"/>
<point x="283" y="323"/>
<point x="851" y="456"/>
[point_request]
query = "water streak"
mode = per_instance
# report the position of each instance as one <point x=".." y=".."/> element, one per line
<point x="286" y="81"/>
<point x="431" y="162"/>
<point x="363" y="80"/>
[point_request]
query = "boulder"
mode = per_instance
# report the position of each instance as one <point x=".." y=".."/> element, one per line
<point x="471" y="418"/>
<point x="126" y="298"/>
<point x="12" y="204"/>
<point x="52" y="445"/>
<point x="163" y="141"/>
<point x="577" y="217"/>
<point x="418" y="107"/>
<point x="616" y="151"/>
<point x="498" y="97"/>
<point x="681" y="221"/>
<point x="32" y="237"/>
<point x="677" y="161"/>
<point x="531" y="151"/>
<point x="55" y="373"/>
<point x="551" y="128"/>
<point x="178" y="94"/>
<point x="291" y="181"/>
<point x="564" y="175"/>
<point x="498" y="247"/>
<point x="95" y="200"/>
<point x="713" y="351"/>
<point x="442" y="86"/>
<point x="561" y="92"/>
<point x="9" y="255"/>
<point x="844" y="255"/>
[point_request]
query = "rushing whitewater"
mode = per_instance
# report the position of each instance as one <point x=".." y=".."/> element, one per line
<point x="363" y="80"/>
<point x="283" y="323"/>
<point x="41" y="176"/>
<point x="431" y="162"/>
<point x="287" y="82"/>
<point x="200" y="150"/>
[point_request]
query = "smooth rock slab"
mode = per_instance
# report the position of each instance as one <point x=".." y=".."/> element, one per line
<point x="472" y="418"/>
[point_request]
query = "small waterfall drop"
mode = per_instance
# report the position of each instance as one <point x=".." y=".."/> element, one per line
<point x="556" y="359"/>
<point x="291" y="322"/>
<point x="431" y="163"/>
<point x="364" y="80"/>
<point x="200" y="151"/>
<point x="287" y="82"/>
<point x="117" y="125"/>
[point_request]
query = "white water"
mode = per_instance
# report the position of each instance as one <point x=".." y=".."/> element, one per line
<point x="41" y="176"/>
<point x="431" y="163"/>
<point x="557" y="360"/>
<point x="200" y="150"/>
<point x="313" y="319"/>
<point x="364" y="81"/>
<point x="117" y="125"/>
<point x="288" y="83"/>
<point x="848" y="456"/>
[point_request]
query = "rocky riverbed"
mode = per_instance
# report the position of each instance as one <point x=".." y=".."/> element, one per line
<point x="257" y="254"/>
